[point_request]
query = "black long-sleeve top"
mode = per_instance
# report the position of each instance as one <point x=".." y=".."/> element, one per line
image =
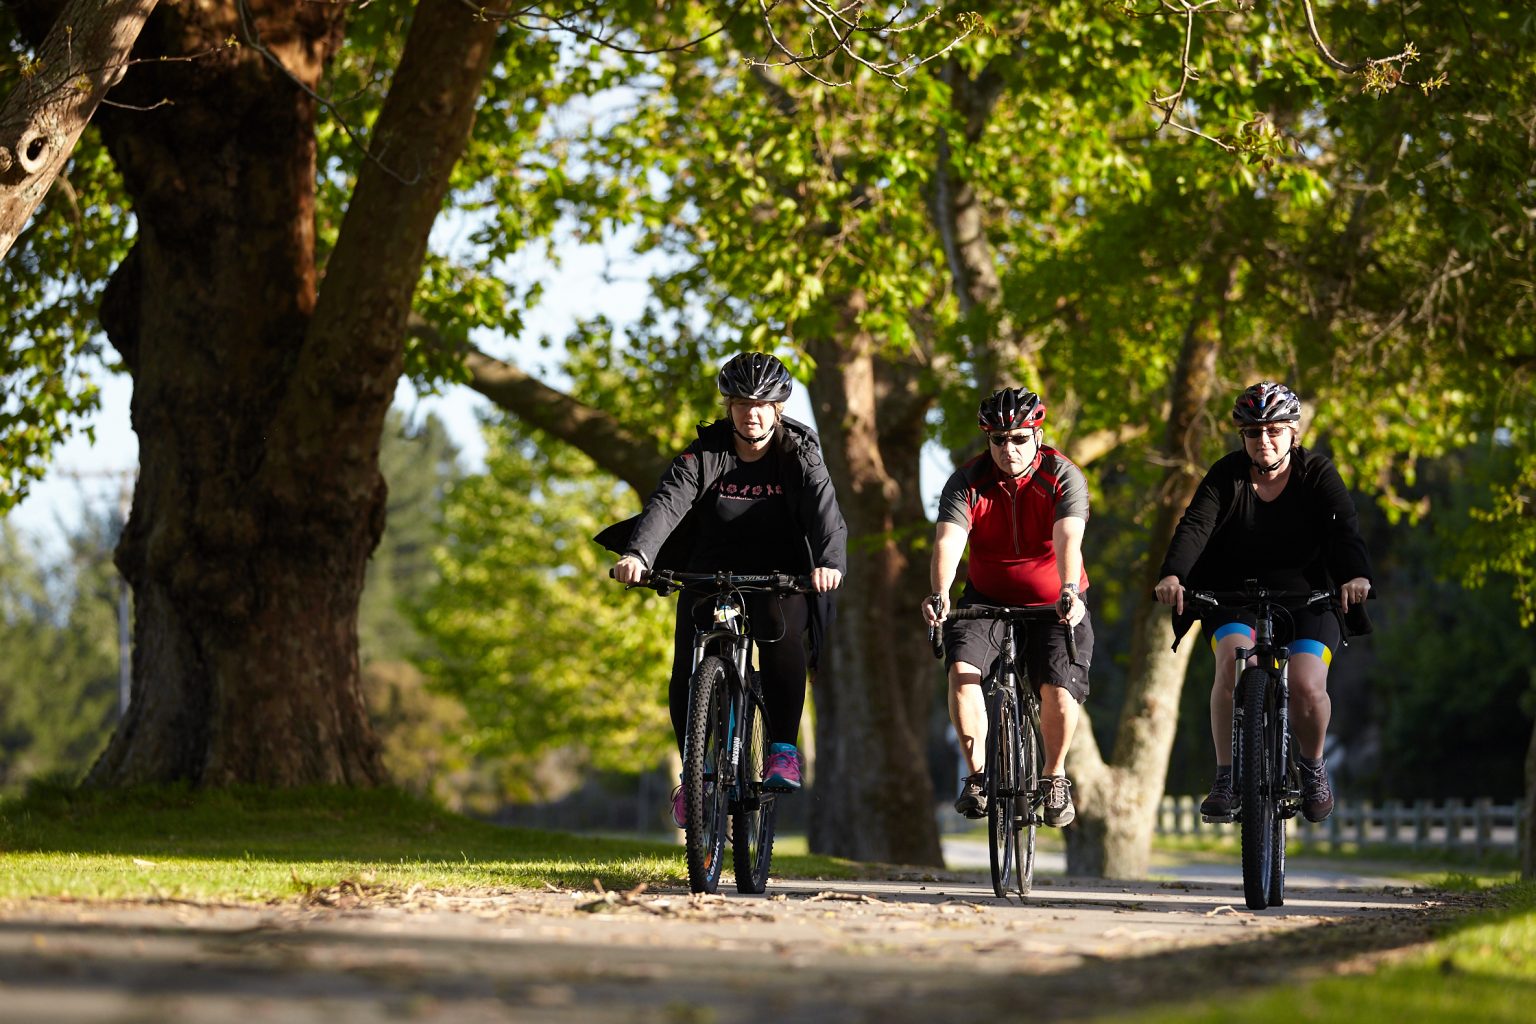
<point x="1307" y="537"/>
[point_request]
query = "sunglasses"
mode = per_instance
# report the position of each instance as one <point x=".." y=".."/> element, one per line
<point x="1017" y="440"/>
<point x="1254" y="433"/>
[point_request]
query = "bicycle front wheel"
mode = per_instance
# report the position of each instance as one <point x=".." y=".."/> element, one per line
<point x="706" y="772"/>
<point x="1003" y="790"/>
<point x="1258" y="786"/>
<point x="754" y="810"/>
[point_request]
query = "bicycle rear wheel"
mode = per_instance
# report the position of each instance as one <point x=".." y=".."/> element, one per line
<point x="1003" y="789"/>
<point x="1031" y="766"/>
<point x="706" y="772"/>
<point x="1258" y="788"/>
<point x="1277" y="865"/>
<point x="754" y="810"/>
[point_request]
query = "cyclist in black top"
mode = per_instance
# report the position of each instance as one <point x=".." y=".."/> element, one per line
<point x="751" y="494"/>
<point x="1278" y="514"/>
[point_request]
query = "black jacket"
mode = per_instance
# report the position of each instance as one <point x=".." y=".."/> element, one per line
<point x="662" y="535"/>
<point x="1341" y="551"/>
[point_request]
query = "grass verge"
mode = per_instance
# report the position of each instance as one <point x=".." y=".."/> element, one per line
<point x="263" y="845"/>
<point x="1482" y="967"/>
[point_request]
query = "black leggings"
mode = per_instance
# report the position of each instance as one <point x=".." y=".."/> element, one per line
<point x="778" y="632"/>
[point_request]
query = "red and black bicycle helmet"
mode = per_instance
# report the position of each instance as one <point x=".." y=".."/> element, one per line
<point x="1011" y="409"/>
<point x="755" y="376"/>
<point x="1266" y="402"/>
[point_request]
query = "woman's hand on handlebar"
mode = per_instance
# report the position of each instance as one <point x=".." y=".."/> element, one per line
<point x="935" y="608"/>
<point x="824" y="579"/>
<point x="629" y="569"/>
<point x="1170" y="591"/>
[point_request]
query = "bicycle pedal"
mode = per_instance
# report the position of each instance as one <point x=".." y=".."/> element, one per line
<point x="1218" y="819"/>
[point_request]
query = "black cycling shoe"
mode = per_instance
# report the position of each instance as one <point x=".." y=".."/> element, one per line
<point x="1316" y="794"/>
<point x="1217" y="806"/>
<point x="972" y="801"/>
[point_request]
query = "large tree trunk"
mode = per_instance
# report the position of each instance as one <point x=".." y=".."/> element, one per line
<point x="85" y="54"/>
<point x="1117" y="802"/>
<point x="258" y="402"/>
<point x="874" y="799"/>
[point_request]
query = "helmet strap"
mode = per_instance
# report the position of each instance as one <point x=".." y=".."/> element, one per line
<point x="1274" y="466"/>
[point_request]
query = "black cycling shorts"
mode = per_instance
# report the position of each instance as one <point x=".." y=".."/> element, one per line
<point x="1300" y="631"/>
<point x="979" y="641"/>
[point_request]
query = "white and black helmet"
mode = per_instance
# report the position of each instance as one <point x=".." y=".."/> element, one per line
<point x="755" y="376"/>
<point x="1266" y="402"/>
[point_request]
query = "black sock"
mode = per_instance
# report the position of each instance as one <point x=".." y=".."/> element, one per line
<point x="1223" y="771"/>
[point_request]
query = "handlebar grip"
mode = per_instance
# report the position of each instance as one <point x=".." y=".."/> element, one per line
<point x="1071" y="641"/>
<point x="935" y="637"/>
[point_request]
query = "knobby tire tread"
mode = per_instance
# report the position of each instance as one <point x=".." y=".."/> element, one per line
<point x="1258" y="791"/>
<point x="707" y="818"/>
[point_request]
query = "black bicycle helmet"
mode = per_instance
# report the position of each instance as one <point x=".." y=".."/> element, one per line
<point x="755" y="376"/>
<point x="1266" y="402"/>
<point x="1011" y="409"/>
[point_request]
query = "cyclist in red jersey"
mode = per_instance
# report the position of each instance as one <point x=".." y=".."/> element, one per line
<point x="1021" y="507"/>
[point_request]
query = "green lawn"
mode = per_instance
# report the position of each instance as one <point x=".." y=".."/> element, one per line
<point x="265" y="845"/>
<point x="1482" y="969"/>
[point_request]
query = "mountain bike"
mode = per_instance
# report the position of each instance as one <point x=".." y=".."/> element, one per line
<point x="1015" y="757"/>
<point x="725" y="745"/>
<point x="1266" y="780"/>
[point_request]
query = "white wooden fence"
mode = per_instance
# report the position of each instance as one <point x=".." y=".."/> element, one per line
<point x="1479" y="825"/>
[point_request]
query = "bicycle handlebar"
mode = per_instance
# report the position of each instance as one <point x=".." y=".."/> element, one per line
<point x="664" y="581"/>
<point x="1256" y="598"/>
<point x="1011" y="614"/>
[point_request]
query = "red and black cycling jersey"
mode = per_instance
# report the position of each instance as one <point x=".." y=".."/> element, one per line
<point x="1010" y="522"/>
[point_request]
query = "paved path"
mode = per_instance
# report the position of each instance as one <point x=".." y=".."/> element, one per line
<point x="916" y="948"/>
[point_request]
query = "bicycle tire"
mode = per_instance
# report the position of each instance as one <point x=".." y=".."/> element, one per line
<point x="706" y="762"/>
<point x="1002" y="790"/>
<point x="1277" y="864"/>
<point x="754" y="810"/>
<point x="1258" y="789"/>
<point x="1032" y="766"/>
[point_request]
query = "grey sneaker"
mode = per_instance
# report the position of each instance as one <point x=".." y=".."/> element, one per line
<point x="1217" y="806"/>
<point x="1058" y="800"/>
<point x="973" y="796"/>
<point x="1316" y="794"/>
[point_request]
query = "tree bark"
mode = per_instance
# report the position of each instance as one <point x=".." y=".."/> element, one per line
<point x="1117" y="801"/>
<point x="259" y="399"/>
<point x="874" y="799"/>
<point x="85" y="54"/>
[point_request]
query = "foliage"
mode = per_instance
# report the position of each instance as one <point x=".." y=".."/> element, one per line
<point x="59" y="682"/>
<point x="546" y="653"/>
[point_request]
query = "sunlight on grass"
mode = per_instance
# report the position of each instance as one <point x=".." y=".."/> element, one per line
<point x="261" y="845"/>
<point x="1484" y="970"/>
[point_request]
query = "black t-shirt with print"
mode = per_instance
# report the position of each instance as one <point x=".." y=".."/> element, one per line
<point x="745" y="524"/>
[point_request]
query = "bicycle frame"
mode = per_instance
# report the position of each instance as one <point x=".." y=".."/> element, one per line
<point x="1266" y="781"/>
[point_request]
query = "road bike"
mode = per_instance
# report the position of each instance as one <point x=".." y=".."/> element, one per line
<point x="1266" y="780"/>
<point x="725" y="745"/>
<point x="1015" y="757"/>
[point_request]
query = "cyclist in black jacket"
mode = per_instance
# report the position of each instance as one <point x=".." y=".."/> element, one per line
<point x="751" y="494"/>
<point x="1279" y="514"/>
